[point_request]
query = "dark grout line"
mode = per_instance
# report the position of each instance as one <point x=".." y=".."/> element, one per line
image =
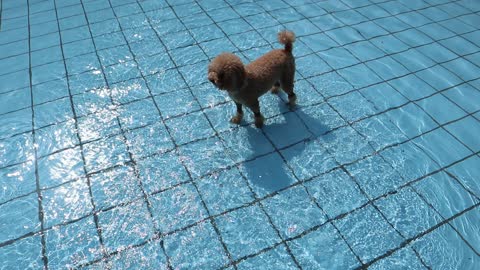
<point x="35" y="160"/>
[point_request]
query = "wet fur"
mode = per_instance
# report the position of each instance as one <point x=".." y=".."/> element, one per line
<point x="246" y="83"/>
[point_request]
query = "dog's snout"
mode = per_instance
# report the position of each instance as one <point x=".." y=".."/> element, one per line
<point x="211" y="80"/>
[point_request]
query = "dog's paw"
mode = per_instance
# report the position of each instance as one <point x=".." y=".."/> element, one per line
<point x="236" y="119"/>
<point x="292" y="101"/>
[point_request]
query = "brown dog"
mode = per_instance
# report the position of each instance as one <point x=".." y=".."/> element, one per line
<point x="245" y="84"/>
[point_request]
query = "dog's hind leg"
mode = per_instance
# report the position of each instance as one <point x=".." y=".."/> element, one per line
<point x="256" y="112"/>
<point x="287" y="86"/>
<point x="238" y="117"/>
<point x="276" y="87"/>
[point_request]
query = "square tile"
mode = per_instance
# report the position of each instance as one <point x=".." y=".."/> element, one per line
<point x="281" y="135"/>
<point x="234" y="26"/>
<point x="323" y="248"/>
<point x="122" y="72"/>
<point x="247" y="40"/>
<point x="412" y="87"/>
<point x="158" y="83"/>
<point x="338" y="58"/>
<point x="176" y="103"/>
<point x="413" y="18"/>
<point x="392" y="24"/>
<point x="190" y="128"/>
<point x="311" y="65"/>
<point x="82" y="63"/>
<point x="383" y="96"/>
<point x="467" y="226"/>
<point x="73" y="244"/>
<point x="463" y="68"/>
<point x="48" y="72"/>
<point x="205" y="156"/>
<point x="49" y="91"/>
<point x="46" y="56"/>
<point x="413" y="37"/>
<point x="160" y="172"/>
<point x="344" y="35"/>
<point x="177" y="208"/>
<point x="450" y="150"/>
<point x="86" y="81"/>
<point x="16" y="181"/>
<point x="389" y="44"/>
<point x="16" y="149"/>
<point x="409" y="161"/>
<point x="459" y="45"/>
<point x="466" y="172"/>
<point x="92" y="101"/>
<point x="370" y="30"/>
<point x="380" y="131"/>
<point x="308" y="159"/>
<point x="125" y="226"/>
<point x="403" y="258"/>
<point x="129" y="91"/>
<point x="185" y="247"/>
<point x="188" y="55"/>
<point x="98" y="125"/>
<point x="109" y="41"/>
<point x="278" y="258"/>
<point x="411" y="120"/>
<point x="60" y="167"/>
<point x="336" y="193"/>
<point x="23" y="254"/>
<point x="346" y="145"/>
<point x="113" y="187"/>
<point x="224" y="190"/>
<point x="441" y="109"/>
<point x="330" y="84"/>
<point x="66" y="203"/>
<point x="267" y="174"/>
<point x="149" y="255"/>
<point x="375" y="176"/>
<point x="305" y="214"/>
<point x="149" y="140"/>
<point x="436" y="52"/>
<point x="19" y="217"/>
<point x="77" y="48"/>
<point x="246" y="143"/>
<point x="368" y="234"/>
<point x="246" y="223"/>
<point x="445" y="240"/>
<point x="408" y="213"/>
<point x="445" y="194"/>
<point x="105" y="153"/>
<point x="352" y="106"/>
<point x="56" y="111"/>
<point x="138" y="113"/>
<point x="359" y="76"/>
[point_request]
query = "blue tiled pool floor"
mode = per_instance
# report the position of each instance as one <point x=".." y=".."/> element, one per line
<point x="117" y="153"/>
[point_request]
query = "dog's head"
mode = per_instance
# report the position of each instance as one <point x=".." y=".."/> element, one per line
<point x="226" y="72"/>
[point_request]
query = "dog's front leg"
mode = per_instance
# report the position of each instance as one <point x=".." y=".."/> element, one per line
<point x="258" y="116"/>
<point x="238" y="117"/>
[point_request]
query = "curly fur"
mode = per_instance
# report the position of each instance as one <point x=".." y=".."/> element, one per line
<point x="246" y="83"/>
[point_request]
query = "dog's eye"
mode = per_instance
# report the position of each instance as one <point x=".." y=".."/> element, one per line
<point x="220" y="75"/>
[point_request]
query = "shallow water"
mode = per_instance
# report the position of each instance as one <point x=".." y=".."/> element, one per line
<point x="117" y="153"/>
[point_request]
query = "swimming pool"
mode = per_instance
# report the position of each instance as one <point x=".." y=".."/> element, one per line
<point x="117" y="153"/>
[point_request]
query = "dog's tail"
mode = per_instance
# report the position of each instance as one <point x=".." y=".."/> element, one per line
<point x="287" y="38"/>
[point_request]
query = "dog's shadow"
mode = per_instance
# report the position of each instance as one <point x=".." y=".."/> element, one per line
<point x="268" y="172"/>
